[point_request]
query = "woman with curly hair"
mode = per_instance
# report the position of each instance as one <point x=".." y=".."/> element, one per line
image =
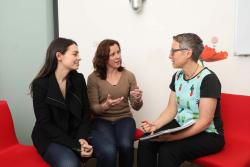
<point x="110" y="89"/>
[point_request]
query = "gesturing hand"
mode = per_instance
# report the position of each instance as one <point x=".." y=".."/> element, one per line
<point x="136" y="94"/>
<point x="86" y="149"/>
<point x="111" y="102"/>
<point x="148" y="127"/>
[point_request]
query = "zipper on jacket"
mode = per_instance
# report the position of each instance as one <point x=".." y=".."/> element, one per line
<point x="56" y="100"/>
<point x="77" y="98"/>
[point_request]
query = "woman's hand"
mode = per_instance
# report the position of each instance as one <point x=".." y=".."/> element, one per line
<point x="136" y="94"/>
<point x="148" y="127"/>
<point x="111" y="102"/>
<point x="86" y="149"/>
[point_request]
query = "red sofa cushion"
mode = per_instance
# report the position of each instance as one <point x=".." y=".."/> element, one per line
<point x="138" y="133"/>
<point x="7" y="131"/>
<point x="234" y="154"/>
<point x="13" y="154"/>
<point x="235" y="113"/>
<point x="21" y="156"/>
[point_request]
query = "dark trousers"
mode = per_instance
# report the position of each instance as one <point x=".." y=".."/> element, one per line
<point x="58" y="155"/>
<point x="110" y="138"/>
<point x="173" y="154"/>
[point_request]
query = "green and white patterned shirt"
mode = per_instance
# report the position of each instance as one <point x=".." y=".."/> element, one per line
<point x="188" y="94"/>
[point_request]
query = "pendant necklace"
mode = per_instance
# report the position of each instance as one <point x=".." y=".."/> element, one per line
<point x="190" y="76"/>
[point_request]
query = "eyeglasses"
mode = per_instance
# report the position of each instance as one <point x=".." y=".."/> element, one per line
<point x="172" y="51"/>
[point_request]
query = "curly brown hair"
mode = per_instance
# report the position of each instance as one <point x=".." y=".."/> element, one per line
<point x="102" y="56"/>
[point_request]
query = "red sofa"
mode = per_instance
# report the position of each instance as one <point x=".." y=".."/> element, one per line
<point x="235" y="112"/>
<point x="13" y="154"/>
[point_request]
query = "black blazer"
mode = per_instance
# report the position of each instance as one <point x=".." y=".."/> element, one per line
<point x="60" y="120"/>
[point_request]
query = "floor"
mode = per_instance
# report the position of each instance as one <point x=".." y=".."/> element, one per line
<point x="92" y="163"/>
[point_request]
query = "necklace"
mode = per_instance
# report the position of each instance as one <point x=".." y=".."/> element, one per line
<point x="192" y="74"/>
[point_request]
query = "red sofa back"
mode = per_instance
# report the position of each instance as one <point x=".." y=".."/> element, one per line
<point x="235" y="112"/>
<point x="7" y="131"/>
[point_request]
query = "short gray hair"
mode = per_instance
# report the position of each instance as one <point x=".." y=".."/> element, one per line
<point x="190" y="41"/>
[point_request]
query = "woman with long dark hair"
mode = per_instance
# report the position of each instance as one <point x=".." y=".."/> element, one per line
<point x="61" y="107"/>
<point x="110" y="88"/>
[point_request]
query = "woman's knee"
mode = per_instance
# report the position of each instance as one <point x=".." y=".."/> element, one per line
<point x="126" y="145"/>
<point x="125" y="130"/>
<point x="146" y="145"/>
<point x="64" y="161"/>
<point x="69" y="162"/>
<point x="106" y="152"/>
<point x="169" y="157"/>
<point x="60" y="156"/>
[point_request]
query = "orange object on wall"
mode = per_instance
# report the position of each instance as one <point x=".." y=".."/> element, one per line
<point x="210" y="54"/>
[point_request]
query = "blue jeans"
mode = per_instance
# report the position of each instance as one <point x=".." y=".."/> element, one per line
<point x="110" y="138"/>
<point x="58" y="155"/>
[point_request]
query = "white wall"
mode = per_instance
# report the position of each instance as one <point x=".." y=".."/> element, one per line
<point x="146" y="38"/>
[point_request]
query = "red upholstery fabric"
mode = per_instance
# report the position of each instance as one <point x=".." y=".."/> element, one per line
<point x="138" y="133"/>
<point x="7" y="132"/>
<point x="13" y="154"/>
<point x="21" y="156"/>
<point x="235" y="112"/>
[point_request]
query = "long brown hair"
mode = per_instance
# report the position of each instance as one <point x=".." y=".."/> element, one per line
<point x="102" y="56"/>
<point x="58" y="45"/>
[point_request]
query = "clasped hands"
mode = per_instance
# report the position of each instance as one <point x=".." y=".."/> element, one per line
<point x="136" y="94"/>
<point x="86" y="149"/>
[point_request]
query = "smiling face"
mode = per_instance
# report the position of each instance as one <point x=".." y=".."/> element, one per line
<point x="70" y="59"/>
<point x="178" y="55"/>
<point x="114" y="60"/>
